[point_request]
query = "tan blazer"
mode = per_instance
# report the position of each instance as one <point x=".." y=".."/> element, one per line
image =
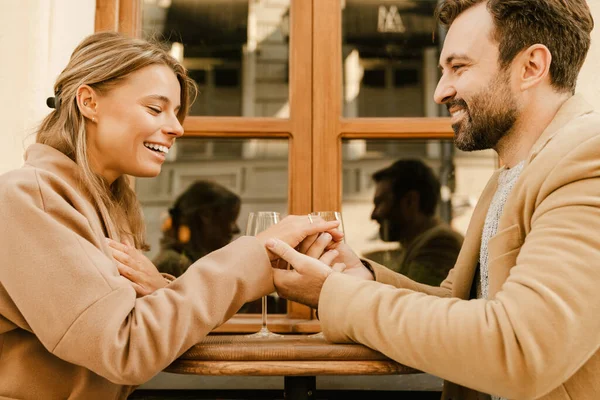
<point x="70" y="325"/>
<point x="538" y="336"/>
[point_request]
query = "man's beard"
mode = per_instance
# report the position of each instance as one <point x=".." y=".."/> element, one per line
<point x="492" y="114"/>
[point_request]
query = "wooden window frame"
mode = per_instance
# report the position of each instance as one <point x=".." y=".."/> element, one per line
<point x="314" y="130"/>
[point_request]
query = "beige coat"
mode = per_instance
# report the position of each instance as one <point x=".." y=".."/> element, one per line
<point x="70" y="325"/>
<point x="539" y="334"/>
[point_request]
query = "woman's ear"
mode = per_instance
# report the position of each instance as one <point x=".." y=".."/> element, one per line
<point x="87" y="102"/>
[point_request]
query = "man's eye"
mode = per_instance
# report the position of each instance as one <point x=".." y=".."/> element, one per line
<point x="457" y="67"/>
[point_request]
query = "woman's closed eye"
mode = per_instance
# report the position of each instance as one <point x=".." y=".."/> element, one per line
<point x="154" y="110"/>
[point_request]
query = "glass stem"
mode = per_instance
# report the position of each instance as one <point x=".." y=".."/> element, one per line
<point x="264" y="313"/>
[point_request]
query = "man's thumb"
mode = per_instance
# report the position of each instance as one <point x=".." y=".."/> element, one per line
<point x="281" y="249"/>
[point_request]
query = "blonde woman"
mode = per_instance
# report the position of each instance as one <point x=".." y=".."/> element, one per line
<point x="71" y="326"/>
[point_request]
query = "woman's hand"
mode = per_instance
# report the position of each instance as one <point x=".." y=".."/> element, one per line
<point x="136" y="267"/>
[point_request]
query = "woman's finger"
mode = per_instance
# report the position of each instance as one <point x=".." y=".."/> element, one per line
<point x="124" y="258"/>
<point x="319" y="246"/>
<point x="116" y="245"/>
<point x="306" y="243"/>
<point x="329" y="256"/>
<point x="128" y="272"/>
<point x="336" y="234"/>
<point x="320" y="226"/>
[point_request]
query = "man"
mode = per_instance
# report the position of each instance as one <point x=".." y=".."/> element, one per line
<point x="406" y="198"/>
<point x="530" y="261"/>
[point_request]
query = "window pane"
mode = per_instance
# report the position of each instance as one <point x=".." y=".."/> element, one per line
<point x="462" y="177"/>
<point x="236" y="51"/>
<point x="389" y="58"/>
<point x="227" y="179"/>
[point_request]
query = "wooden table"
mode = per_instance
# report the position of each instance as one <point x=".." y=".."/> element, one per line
<point x="299" y="358"/>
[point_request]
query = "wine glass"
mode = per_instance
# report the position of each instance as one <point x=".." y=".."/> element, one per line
<point x="327" y="216"/>
<point x="258" y="222"/>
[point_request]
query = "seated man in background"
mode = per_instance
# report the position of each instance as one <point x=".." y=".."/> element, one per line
<point x="406" y="198"/>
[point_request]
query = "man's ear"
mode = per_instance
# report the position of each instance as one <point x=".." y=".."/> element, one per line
<point x="534" y="65"/>
<point x="410" y="201"/>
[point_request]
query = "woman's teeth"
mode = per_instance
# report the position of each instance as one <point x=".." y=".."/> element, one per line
<point x="157" y="147"/>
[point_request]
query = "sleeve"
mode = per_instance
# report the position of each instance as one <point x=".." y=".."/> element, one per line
<point x="388" y="277"/>
<point x="540" y="328"/>
<point x="56" y="277"/>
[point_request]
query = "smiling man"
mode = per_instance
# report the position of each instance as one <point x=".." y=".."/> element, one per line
<point x="517" y="316"/>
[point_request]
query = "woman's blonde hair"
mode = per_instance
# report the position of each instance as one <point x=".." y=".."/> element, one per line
<point x="102" y="61"/>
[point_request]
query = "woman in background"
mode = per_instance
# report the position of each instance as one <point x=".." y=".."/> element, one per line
<point x="202" y="220"/>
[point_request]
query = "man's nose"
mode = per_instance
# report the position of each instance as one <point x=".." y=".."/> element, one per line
<point x="375" y="215"/>
<point x="444" y="92"/>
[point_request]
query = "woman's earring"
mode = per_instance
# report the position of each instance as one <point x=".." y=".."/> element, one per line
<point x="184" y="234"/>
<point x="85" y="103"/>
<point x="93" y="119"/>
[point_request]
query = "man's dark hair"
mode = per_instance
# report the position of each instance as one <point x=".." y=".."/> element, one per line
<point x="563" y="26"/>
<point x="407" y="175"/>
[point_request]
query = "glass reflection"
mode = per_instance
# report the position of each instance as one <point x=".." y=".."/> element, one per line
<point x="407" y="203"/>
<point x="237" y="52"/>
<point x="203" y="196"/>
<point x="389" y="58"/>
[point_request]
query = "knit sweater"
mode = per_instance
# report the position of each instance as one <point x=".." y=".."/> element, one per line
<point x="506" y="181"/>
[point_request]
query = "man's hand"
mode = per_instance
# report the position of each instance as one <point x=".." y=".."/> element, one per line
<point x="304" y="281"/>
<point x="346" y="256"/>
<point x="293" y="229"/>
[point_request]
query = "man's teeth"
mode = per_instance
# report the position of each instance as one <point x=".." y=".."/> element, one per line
<point x="458" y="113"/>
<point x="157" y="147"/>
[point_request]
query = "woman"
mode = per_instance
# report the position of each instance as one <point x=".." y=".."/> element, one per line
<point x="202" y="219"/>
<point x="71" y="326"/>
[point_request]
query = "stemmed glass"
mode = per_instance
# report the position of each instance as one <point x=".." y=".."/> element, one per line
<point x="327" y="216"/>
<point x="258" y="222"/>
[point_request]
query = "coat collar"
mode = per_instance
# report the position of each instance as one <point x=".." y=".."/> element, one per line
<point x="574" y="107"/>
<point x="49" y="159"/>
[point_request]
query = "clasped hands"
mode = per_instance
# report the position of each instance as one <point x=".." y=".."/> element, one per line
<point x="314" y="249"/>
<point x="317" y="256"/>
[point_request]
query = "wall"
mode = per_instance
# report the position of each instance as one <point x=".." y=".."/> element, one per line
<point x="36" y="40"/>
<point x="589" y="84"/>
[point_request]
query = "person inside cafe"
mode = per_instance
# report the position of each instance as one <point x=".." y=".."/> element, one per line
<point x="202" y="219"/>
<point x="72" y="322"/>
<point x="406" y="198"/>
<point x="517" y="316"/>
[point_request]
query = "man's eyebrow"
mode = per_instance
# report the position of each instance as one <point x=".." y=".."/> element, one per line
<point x="454" y="57"/>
